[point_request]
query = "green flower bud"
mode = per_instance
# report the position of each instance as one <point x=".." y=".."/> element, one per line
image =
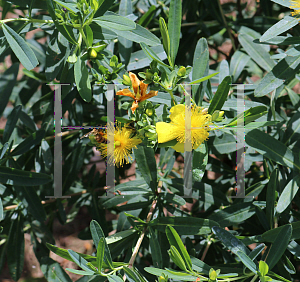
<point x="126" y="80"/>
<point x="149" y="112"/>
<point x="93" y="53"/>
<point x="161" y="279"/>
<point x="213" y="275"/>
<point x="181" y="71"/>
<point x="215" y="115"/>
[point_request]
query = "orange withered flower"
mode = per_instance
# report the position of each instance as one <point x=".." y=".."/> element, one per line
<point x="139" y="89"/>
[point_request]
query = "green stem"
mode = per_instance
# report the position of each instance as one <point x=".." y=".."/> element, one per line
<point x="226" y="25"/>
<point x="172" y="96"/>
<point x="26" y="20"/>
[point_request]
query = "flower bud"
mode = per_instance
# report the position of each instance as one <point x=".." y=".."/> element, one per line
<point x="221" y="113"/>
<point x="181" y="71"/>
<point x="93" y="53"/>
<point x="161" y="279"/>
<point x="215" y="115"/>
<point x="149" y="112"/>
<point x="126" y="80"/>
<point x="213" y="275"/>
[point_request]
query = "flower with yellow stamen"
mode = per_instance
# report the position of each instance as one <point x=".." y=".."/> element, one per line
<point x="123" y="144"/>
<point x="200" y="121"/>
<point x="139" y="89"/>
<point x="295" y="5"/>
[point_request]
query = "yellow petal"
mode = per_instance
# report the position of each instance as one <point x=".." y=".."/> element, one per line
<point x="179" y="147"/>
<point x="177" y="114"/>
<point x="166" y="132"/>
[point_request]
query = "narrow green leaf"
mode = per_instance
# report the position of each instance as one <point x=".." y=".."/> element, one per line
<point x="247" y="261"/>
<point x="230" y="241"/>
<point x="165" y="35"/>
<point x="256" y="52"/>
<point x="272" y="148"/>
<point x="100" y="253"/>
<point x="279" y="246"/>
<point x="256" y="251"/>
<point x="220" y="96"/>
<point x="72" y="7"/>
<point x="115" y="22"/>
<point x="82" y="80"/>
<point x="145" y="20"/>
<point x="13" y="176"/>
<point x="11" y="122"/>
<point x="203" y="78"/>
<point x="288" y="194"/>
<point x="20" y="48"/>
<point x="80" y="261"/>
<point x="114" y="278"/>
<point x="271" y="235"/>
<point x="30" y="142"/>
<point x="133" y="275"/>
<point x="89" y="35"/>
<point x="15" y="257"/>
<point x="263" y="268"/>
<point x="53" y="271"/>
<point x="155" y="249"/>
<point x="149" y="52"/>
<point x="146" y="162"/>
<point x="174" y="26"/>
<point x="200" y="159"/>
<point x="1" y="210"/>
<point x="200" y="69"/>
<point x="284" y="70"/>
<point x="175" y="241"/>
<point x="184" y="225"/>
<point x="7" y="82"/>
<point x="282" y="26"/>
<point x="97" y="234"/>
<point x="271" y="197"/>
<point x="238" y="62"/>
<point x="177" y="259"/>
<point x="79" y="272"/>
<point x="223" y="71"/>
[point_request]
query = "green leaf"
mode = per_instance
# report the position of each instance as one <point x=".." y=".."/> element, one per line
<point x="256" y="251"/>
<point x="184" y="225"/>
<point x="155" y="249"/>
<point x="53" y="271"/>
<point x="100" y="253"/>
<point x="272" y="148"/>
<point x="174" y="26"/>
<point x="230" y="241"/>
<point x="263" y="268"/>
<point x="139" y="35"/>
<point x="288" y="194"/>
<point x="89" y="35"/>
<point x="285" y="3"/>
<point x="146" y="162"/>
<point x="233" y="214"/>
<point x="282" y="26"/>
<point x="29" y="143"/>
<point x="203" y="78"/>
<point x="80" y="261"/>
<point x="1" y="210"/>
<point x="238" y="62"/>
<point x="284" y="70"/>
<point x="20" y="48"/>
<point x="13" y="176"/>
<point x="11" y="122"/>
<point x="79" y="272"/>
<point x="31" y="201"/>
<point x="256" y="52"/>
<point x="279" y="245"/>
<point x="97" y="234"/>
<point x="119" y="236"/>
<point x="220" y="96"/>
<point x="114" y="278"/>
<point x="271" y="197"/>
<point x="82" y="80"/>
<point x="145" y="20"/>
<point x="133" y="275"/>
<point x="15" y="255"/>
<point x="72" y="7"/>
<point x="7" y="82"/>
<point x="149" y="52"/>
<point x="165" y="35"/>
<point x="175" y="241"/>
<point x="115" y="22"/>
<point x="200" y="69"/>
<point x="247" y="261"/>
<point x="177" y="259"/>
<point x="200" y="158"/>
<point x="138" y="59"/>
<point x="271" y="235"/>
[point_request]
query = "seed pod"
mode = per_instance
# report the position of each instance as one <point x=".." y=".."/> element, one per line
<point x="93" y="53"/>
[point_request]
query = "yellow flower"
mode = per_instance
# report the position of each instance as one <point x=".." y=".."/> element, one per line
<point x="200" y="122"/>
<point x="139" y="89"/>
<point x="123" y="144"/>
<point x="295" y="4"/>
